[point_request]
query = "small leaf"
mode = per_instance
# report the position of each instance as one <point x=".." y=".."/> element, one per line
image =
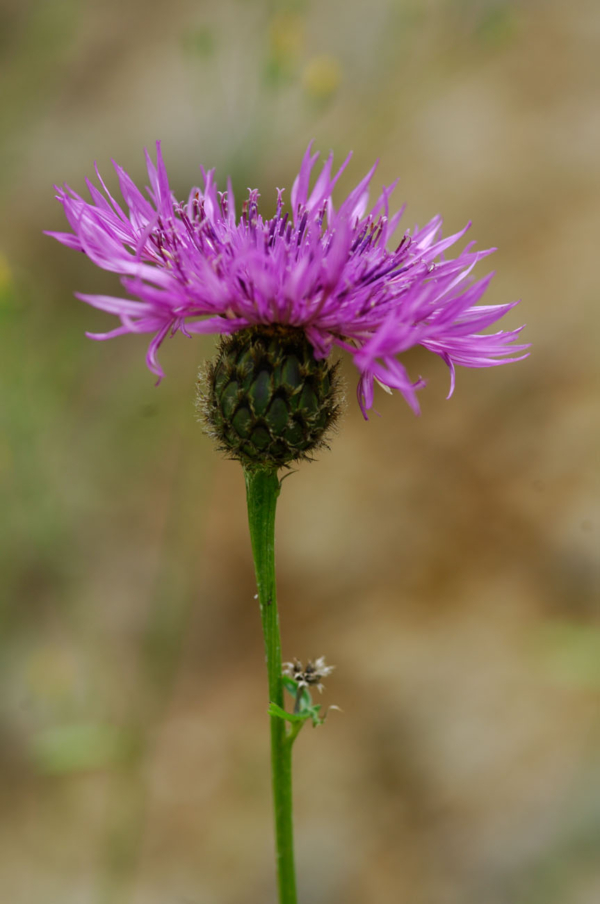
<point x="292" y="689"/>
<point x="290" y="685"/>
<point x="320" y="720"/>
<point x="275" y="710"/>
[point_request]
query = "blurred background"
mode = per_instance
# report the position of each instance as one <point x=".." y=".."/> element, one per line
<point x="448" y="564"/>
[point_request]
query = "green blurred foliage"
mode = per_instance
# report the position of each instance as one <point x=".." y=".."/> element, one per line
<point x="71" y="748"/>
<point x="571" y="653"/>
<point x="200" y="42"/>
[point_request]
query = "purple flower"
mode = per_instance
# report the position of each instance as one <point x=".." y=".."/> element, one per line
<point x="196" y="267"/>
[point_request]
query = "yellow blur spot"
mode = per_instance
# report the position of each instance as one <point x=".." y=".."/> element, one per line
<point x="286" y="37"/>
<point x="322" y="76"/>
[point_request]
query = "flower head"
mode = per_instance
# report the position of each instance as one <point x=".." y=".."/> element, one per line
<point x="311" y="676"/>
<point x="336" y="274"/>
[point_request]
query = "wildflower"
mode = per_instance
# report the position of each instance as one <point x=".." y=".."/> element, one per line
<point x="283" y="293"/>
<point x="195" y="267"/>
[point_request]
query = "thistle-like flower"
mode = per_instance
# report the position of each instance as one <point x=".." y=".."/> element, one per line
<point x="283" y="293"/>
<point x="326" y="277"/>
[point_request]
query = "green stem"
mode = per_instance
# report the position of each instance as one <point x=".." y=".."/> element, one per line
<point x="262" y="490"/>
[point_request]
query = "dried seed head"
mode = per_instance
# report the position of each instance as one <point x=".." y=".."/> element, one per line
<point x="311" y="676"/>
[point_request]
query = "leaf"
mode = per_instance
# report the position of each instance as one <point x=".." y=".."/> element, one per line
<point x="290" y="685"/>
<point x="275" y="710"/>
<point x="292" y="689"/>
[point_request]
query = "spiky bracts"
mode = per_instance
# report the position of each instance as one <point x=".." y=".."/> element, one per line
<point x="265" y="398"/>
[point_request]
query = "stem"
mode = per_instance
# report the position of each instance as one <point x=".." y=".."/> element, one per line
<point x="262" y="490"/>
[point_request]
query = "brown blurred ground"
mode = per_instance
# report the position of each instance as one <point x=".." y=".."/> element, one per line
<point x="448" y="565"/>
